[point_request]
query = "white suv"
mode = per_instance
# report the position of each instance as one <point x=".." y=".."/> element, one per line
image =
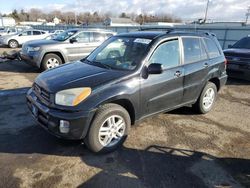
<point x="13" y="41"/>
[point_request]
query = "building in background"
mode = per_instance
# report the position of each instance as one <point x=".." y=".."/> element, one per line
<point x="56" y="21"/>
<point x="7" y="22"/>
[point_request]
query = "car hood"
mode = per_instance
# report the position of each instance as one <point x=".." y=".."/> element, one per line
<point x="43" y="42"/>
<point x="77" y="74"/>
<point x="233" y="51"/>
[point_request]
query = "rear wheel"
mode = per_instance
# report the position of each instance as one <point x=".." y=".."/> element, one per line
<point x="207" y="98"/>
<point x="51" y="61"/>
<point x="13" y="44"/>
<point x="109" y="129"/>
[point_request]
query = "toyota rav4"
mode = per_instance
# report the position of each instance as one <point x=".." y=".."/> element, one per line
<point x="126" y="79"/>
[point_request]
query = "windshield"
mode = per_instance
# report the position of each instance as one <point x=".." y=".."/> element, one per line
<point x="120" y="53"/>
<point x="243" y="43"/>
<point x="64" y="35"/>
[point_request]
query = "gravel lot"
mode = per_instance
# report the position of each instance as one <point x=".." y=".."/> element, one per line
<point x="175" y="149"/>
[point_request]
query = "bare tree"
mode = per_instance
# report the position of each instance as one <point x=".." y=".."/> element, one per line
<point x="35" y="14"/>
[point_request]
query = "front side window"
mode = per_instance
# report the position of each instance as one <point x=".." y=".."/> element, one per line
<point x="243" y="43"/>
<point x="193" y="50"/>
<point x="120" y="53"/>
<point x="167" y="54"/>
<point x="212" y="48"/>
<point x="98" y="37"/>
<point x="26" y="33"/>
<point x="83" y="37"/>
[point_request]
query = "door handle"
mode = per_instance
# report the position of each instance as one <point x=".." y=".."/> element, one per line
<point x="205" y="65"/>
<point x="177" y="73"/>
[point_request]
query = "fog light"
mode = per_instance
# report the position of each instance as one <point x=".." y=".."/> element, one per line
<point x="64" y="126"/>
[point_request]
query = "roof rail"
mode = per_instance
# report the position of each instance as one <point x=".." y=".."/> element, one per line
<point x="168" y="30"/>
<point x="206" y="33"/>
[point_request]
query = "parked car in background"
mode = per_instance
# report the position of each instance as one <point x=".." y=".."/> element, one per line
<point x="238" y="59"/>
<point x="15" y="40"/>
<point x="9" y="31"/>
<point x="56" y="32"/>
<point x="73" y="44"/>
<point x="126" y="79"/>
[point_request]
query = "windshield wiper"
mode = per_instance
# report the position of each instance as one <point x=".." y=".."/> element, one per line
<point x="98" y="64"/>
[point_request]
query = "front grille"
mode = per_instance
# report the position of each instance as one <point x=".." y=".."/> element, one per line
<point x="238" y="58"/>
<point x="42" y="94"/>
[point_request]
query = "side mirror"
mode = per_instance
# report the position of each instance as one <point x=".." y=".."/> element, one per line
<point x="20" y="35"/>
<point x="72" y="40"/>
<point x="155" y="68"/>
<point x="230" y="46"/>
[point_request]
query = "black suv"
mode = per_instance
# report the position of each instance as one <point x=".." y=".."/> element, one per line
<point x="238" y="59"/>
<point x="129" y="77"/>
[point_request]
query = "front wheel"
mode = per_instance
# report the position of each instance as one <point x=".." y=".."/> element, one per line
<point x="51" y="61"/>
<point x="109" y="128"/>
<point x="13" y="44"/>
<point x="207" y="98"/>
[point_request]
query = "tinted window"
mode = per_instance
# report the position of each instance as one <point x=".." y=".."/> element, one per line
<point x="212" y="49"/>
<point x="193" y="50"/>
<point x="83" y="37"/>
<point x="243" y="43"/>
<point x="36" y="33"/>
<point x="167" y="54"/>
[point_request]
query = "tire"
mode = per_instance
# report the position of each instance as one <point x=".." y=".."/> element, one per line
<point x="95" y="140"/>
<point x="203" y="105"/>
<point x="50" y="61"/>
<point x="13" y="44"/>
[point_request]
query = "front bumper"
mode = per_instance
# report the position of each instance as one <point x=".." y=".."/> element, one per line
<point x="49" y="118"/>
<point x="239" y="71"/>
<point x="31" y="58"/>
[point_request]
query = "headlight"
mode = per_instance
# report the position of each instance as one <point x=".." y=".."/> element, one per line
<point x="72" y="97"/>
<point x="33" y="49"/>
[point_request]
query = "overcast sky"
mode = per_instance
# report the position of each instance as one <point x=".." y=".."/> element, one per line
<point x="223" y="10"/>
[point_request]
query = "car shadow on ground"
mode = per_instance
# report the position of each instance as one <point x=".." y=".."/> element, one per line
<point x="17" y="66"/>
<point x="155" y="166"/>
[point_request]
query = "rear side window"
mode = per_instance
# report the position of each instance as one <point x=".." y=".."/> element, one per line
<point x="167" y="54"/>
<point x="193" y="50"/>
<point x="36" y="33"/>
<point x="212" y="49"/>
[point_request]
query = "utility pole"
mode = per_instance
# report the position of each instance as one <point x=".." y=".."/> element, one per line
<point x="1" y="19"/>
<point x="205" y="19"/>
<point x="247" y="14"/>
<point x="75" y="18"/>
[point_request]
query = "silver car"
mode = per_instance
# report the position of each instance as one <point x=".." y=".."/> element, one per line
<point x="18" y="39"/>
<point x="73" y="44"/>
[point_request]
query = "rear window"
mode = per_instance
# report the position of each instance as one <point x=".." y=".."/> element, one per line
<point x="193" y="50"/>
<point x="212" y="48"/>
